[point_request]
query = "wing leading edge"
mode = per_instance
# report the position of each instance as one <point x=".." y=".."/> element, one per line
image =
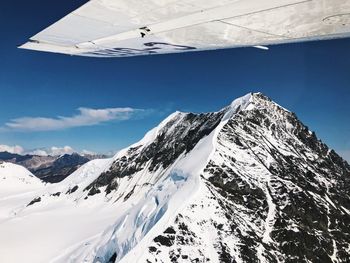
<point x="119" y="28"/>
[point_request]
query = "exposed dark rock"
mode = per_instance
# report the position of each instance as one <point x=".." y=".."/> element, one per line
<point x="129" y="194"/>
<point x="72" y="190"/>
<point x="35" y="200"/>
<point x="94" y="191"/>
<point x="170" y="230"/>
<point x="152" y="249"/>
<point x="167" y="241"/>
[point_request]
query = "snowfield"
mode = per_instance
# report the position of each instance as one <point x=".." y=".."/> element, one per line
<point x="248" y="183"/>
<point x="16" y="179"/>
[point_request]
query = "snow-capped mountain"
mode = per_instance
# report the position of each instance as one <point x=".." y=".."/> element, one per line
<point x="16" y="179"/>
<point x="17" y="187"/>
<point x="249" y="183"/>
<point x="49" y="168"/>
<point x="61" y="167"/>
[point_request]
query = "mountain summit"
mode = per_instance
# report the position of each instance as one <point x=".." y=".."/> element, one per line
<point x="249" y="183"/>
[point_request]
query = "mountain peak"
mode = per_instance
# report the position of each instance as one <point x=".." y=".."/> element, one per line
<point x="268" y="185"/>
<point x="238" y="104"/>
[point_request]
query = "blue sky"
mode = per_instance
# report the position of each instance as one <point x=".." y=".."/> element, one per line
<point x="311" y="79"/>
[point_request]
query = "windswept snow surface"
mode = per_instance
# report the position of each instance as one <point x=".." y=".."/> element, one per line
<point x="48" y="229"/>
<point x="248" y="183"/>
<point x="16" y="186"/>
<point x="15" y="179"/>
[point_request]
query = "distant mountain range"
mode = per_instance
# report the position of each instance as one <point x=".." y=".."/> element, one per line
<point x="50" y="169"/>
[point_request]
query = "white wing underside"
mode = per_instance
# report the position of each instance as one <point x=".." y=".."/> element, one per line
<point x="118" y="28"/>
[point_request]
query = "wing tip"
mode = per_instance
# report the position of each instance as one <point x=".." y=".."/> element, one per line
<point x="22" y="46"/>
<point x="262" y="47"/>
<point x="36" y="45"/>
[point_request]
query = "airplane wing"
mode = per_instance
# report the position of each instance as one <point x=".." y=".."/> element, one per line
<point x="119" y="28"/>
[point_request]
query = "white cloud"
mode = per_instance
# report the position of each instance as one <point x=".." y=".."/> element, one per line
<point x="53" y="151"/>
<point x="87" y="152"/>
<point x="40" y="152"/>
<point x="86" y="117"/>
<point x="60" y="150"/>
<point x="11" y="149"/>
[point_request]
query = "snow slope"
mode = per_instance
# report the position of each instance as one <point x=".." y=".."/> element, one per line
<point x="249" y="183"/>
<point x="16" y="187"/>
<point x="15" y="179"/>
<point x="55" y="225"/>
